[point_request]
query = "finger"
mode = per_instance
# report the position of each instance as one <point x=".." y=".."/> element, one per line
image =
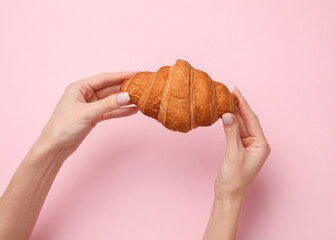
<point x="104" y="92"/>
<point x="122" y="112"/>
<point x="108" y="104"/>
<point x="231" y="128"/>
<point x="108" y="79"/>
<point x="127" y="104"/>
<point x="249" y="117"/>
<point x="243" y="129"/>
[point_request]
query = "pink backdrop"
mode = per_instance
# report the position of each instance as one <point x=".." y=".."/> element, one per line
<point x="134" y="179"/>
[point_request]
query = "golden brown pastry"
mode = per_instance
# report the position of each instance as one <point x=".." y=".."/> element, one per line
<point x="180" y="96"/>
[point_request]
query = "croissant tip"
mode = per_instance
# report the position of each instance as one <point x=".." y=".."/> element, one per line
<point x="233" y="102"/>
<point x="181" y="60"/>
<point x="236" y="100"/>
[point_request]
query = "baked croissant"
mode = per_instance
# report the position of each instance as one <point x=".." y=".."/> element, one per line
<point x="180" y="96"/>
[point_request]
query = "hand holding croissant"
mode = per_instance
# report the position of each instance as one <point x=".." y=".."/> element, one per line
<point x="180" y="96"/>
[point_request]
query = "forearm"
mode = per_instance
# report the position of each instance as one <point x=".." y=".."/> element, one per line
<point x="223" y="221"/>
<point x="23" y="199"/>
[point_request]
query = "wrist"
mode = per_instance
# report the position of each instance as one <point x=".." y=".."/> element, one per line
<point x="45" y="149"/>
<point x="229" y="199"/>
<point x="227" y="193"/>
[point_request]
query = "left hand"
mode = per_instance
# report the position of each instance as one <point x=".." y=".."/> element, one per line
<point x="83" y="104"/>
<point x="246" y="152"/>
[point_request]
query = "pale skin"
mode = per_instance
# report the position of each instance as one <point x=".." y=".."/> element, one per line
<point x="83" y="105"/>
<point x="246" y="152"/>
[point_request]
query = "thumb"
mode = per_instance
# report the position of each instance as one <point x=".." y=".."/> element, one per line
<point x="232" y="131"/>
<point x="108" y="104"/>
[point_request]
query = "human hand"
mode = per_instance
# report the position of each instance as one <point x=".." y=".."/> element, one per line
<point x="83" y="104"/>
<point x="246" y="151"/>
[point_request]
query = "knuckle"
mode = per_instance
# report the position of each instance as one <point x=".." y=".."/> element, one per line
<point x="268" y="148"/>
<point x="232" y="131"/>
<point x="255" y="117"/>
<point x="71" y="86"/>
<point x="110" y="103"/>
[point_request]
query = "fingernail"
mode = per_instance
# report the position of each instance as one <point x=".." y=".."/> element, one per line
<point x="227" y="118"/>
<point x="122" y="98"/>
<point x="235" y="87"/>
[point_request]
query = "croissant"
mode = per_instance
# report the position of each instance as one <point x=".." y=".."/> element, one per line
<point x="180" y="96"/>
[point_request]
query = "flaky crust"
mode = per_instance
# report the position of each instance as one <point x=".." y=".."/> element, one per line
<point x="180" y="96"/>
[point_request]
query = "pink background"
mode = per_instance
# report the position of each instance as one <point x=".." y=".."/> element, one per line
<point x="134" y="179"/>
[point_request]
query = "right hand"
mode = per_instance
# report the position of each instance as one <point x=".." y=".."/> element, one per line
<point x="246" y="151"/>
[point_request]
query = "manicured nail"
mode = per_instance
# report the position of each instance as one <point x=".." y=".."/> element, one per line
<point x="235" y="87"/>
<point x="122" y="98"/>
<point x="227" y="118"/>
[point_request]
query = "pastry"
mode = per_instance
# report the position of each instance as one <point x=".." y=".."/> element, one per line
<point x="180" y="96"/>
